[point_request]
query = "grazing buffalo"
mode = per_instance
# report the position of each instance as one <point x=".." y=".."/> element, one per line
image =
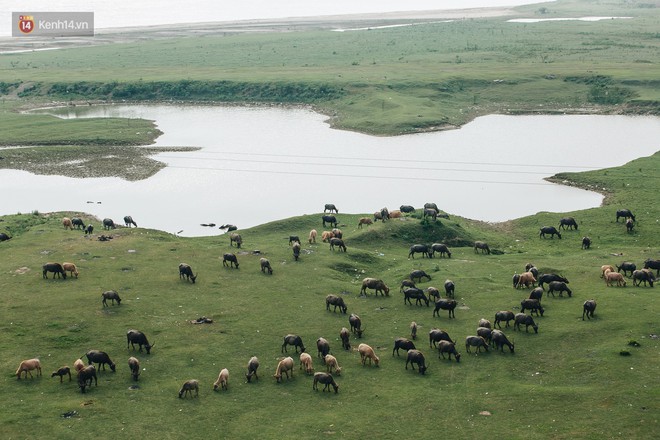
<point x="450" y="287"/>
<point x="416" y="294"/>
<point x="626" y="267"/>
<point x="4" y="237"/>
<point x="376" y="284"/>
<point x="483" y="246"/>
<point x="485" y="333"/>
<point x="296" y="250"/>
<point x="549" y="277"/>
<point x="537" y="293"/>
<point x="404" y="343"/>
<point x="112" y="296"/>
<point x="265" y="266"/>
<point x="586" y="242"/>
<point x="356" y="325"/>
<point x="108" y="224"/>
<point x="440" y="248"/>
<point x="329" y="207"/>
<point x="137" y="337"/>
<point x="568" y="223"/>
<point x="445" y="304"/>
<point x="430" y="213"/>
<point x="643" y="275"/>
<point x="549" y="230"/>
<point x="229" y="260"/>
<point x="101" y="358"/>
<point x="420" y="249"/>
<point x="364" y="221"/>
<point x="406" y="208"/>
<point x="450" y="348"/>
<point x="330" y="219"/>
<point x="185" y="271"/>
<point x="128" y="221"/>
<point x="630" y="224"/>
<point x="228" y="227"/>
<point x="500" y="340"/>
<point x="437" y="335"/>
<point x="294" y="340"/>
<point x="533" y="305"/>
<point x="323" y="347"/>
<point x="89" y="229"/>
<point x="625" y="213"/>
<point x="86" y="375"/>
<point x="327" y="380"/>
<point x="56" y="268"/>
<point x="558" y="286"/>
<point x="588" y="308"/>
<point x="475" y="341"/>
<point x="652" y="264"/>
<point x="504" y="315"/>
<point x="293" y="239"/>
<point x="526" y="279"/>
<point x="419" y="274"/>
<point x="526" y="320"/>
<point x="431" y="206"/>
<point x="235" y="237"/>
<point x="416" y="357"/>
<point x="337" y="301"/>
<point x="337" y="242"/>
<point x="78" y="223"/>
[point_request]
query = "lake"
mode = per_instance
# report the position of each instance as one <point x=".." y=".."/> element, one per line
<point x="259" y="165"/>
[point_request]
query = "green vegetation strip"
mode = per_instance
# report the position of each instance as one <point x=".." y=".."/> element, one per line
<point x="574" y="379"/>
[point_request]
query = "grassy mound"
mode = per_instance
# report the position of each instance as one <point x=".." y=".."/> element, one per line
<point x="571" y="380"/>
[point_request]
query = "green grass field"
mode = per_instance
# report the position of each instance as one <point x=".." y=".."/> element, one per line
<point x="568" y="381"/>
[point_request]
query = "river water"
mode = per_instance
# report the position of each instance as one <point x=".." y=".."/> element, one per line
<point x="263" y="164"/>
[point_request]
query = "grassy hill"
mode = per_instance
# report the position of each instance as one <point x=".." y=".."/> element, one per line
<point x="574" y="379"/>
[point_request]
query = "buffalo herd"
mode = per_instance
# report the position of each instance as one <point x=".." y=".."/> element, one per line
<point x="486" y="335"/>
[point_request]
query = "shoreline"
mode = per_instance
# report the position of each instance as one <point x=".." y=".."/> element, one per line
<point x="103" y="36"/>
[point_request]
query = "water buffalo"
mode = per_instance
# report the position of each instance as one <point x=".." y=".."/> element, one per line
<point x="331" y="219"/>
<point x="337" y="301"/>
<point x="475" y="341"/>
<point x="235" y="237"/>
<point x="644" y="275"/>
<point x="625" y="213"/>
<point x="78" y="223"/>
<point x="228" y="227"/>
<point x="537" y="293"/>
<point x="559" y="286"/>
<point x="404" y="343"/>
<point x="416" y="294"/>
<point x="326" y="379"/>
<point x="440" y="248"/>
<point x="265" y="266"/>
<point x="500" y="340"/>
<point x="356" y="325"/>
<point x="89" y="229"/>
<point x="532" y="305"/>
<point x="416" y="357"/>
<point x="450" y="287"/>
<point x="445" y="304"/>
<point x="344" y="335"/>
<point x="128" y="221"/>
<point x="568" y="223"/>
<point x="588" y="308"/>
<point x="56" y="268"/>
<point x="185" y="271"/>
<point x="419" y="274"/>
<point x="323" y="347"/>
<point x="86" y="375"/>
<point x="549" y="230"/>
<point x="376" y="284"/>
<point x="294" y="340"/>
<point x="450" y="348"/>
<point x="4" y="237"/>
<point x="549" y="277"/>
<point x="406" y="208"/>
<point x="112" y="296"/>
<point x="526" y="320"/>
<point x="296" y="250"/>
<point x="137" y="337"/>
<point x="108" y="224"/>
<point x="483" y="246"/>
<point x="503" y="315"/>
<point x="229" y="260"/>
<point x="101" y="358"/>
<point x="626" y="267"/>
<point x="430" y="213"/>
<point x="337" y="242"/>
<point x="431" y="206"/>
<point x="329" y="207"/>
<point x="420" y="249"/>
<point x="652" y="264"/>
<point x="437" y="335"/>
<point x="586" y="242"/>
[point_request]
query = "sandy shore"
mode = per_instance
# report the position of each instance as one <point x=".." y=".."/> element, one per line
<point x="330" y="22"/>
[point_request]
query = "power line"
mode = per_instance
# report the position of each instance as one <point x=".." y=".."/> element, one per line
<point x="300" y="173"/>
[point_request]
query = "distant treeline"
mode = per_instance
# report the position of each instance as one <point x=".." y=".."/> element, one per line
<point x="227" y="91"/>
